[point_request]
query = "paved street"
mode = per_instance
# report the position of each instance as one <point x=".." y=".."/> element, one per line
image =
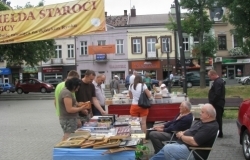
<point x="30" y="129"/>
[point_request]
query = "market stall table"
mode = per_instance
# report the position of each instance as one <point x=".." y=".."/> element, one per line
<point x="91" y="154"/>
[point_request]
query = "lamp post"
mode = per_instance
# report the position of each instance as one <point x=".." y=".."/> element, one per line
<point x="158" y="46"/>
<point x="183" y="65"/>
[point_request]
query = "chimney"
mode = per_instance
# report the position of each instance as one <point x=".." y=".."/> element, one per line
<point x="8" y="3"/>
<point x="125" y="13"/>
<point x="172" y="9"/>
<point x="133" y="12"/>
<point x="106" y="14"/>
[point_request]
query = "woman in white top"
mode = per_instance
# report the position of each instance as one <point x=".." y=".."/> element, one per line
<point x="134" y="93"/>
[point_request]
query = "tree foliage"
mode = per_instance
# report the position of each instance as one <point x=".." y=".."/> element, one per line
<point x="198" y="24"/>
<point x="27" y="53"/>
<point x="239" y="17"/>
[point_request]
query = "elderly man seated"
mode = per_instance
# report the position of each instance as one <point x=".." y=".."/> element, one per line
<point x="181" y="122"/>
<point x="200" y="134"/>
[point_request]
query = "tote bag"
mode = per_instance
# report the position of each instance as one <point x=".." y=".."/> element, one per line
<point x="144" y="101"/>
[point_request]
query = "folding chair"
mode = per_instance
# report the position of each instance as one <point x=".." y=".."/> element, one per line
<point x="193" y="149"/>
<point x="173" y="136"/>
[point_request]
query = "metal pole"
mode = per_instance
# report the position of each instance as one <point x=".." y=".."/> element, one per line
<point x="183" y="65"/>
<point x="169" y="81"/>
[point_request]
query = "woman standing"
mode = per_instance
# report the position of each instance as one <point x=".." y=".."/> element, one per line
<point x="135" y="109"/>
<point x="68" y="107"/>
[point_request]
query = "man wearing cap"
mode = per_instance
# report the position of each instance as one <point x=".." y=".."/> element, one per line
<point x="114" y="85"/>
<point x="164" y="90"/>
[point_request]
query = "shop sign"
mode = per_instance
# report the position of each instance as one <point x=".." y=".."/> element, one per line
<point x="229" y="61"/>
<point x="117" y="66"/>
<point x="30" y="69"/>
<point x="243" y="60"/>
<point x="5" y="71"/>
<point x="52" y="69"/>
<point x="101" y="57"/>
<point x="195" y="63"/>
<point x="145" y="64"/>
<point x="105" y="49"/>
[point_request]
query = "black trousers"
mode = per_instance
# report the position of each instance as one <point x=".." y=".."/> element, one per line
<point x="96" y="112"/>
<point x="219" y="114"/>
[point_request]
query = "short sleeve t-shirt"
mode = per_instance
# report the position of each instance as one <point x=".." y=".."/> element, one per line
<point x="136" y="93"/>
<point x="65" y="93"/>
<point x="85" y="93"/>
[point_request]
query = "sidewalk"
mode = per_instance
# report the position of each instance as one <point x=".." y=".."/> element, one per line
<point x="226" y="148"/>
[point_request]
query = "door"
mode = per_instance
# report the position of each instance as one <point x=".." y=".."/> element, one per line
<point x="231" y="73"/>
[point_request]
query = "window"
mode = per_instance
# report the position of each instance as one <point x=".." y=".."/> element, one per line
<point x="58" y="53"/>
<point x="237" y="41"/>
<point x="222" y="41"/>
<point x="151" y="50"/>
<point x="119" y="46"/>
<point x="185" y="44"/>
<point x="166" y="44"/>
<point x="101" y="43"/>
<point x="71" y="51"/>
<point x="84" y="48"/>
<point x="136" y="45"/>
<point x="196" y="41"/>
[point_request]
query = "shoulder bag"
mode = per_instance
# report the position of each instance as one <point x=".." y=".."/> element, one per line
<point x="144" y="101"/>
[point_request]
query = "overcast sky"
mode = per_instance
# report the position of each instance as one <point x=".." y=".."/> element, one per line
<point x="115" y="7"/>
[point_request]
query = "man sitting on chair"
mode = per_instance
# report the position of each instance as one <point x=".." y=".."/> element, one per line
<point x="200" y="134"/>
<point x="181" y="122"/>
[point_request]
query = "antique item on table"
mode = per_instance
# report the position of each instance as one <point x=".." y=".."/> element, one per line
<point x="76" y="138"/>
<point x="125" y="130"/>
<point x="110" y="144"/>
<point x="87" y="143"/>
<point x="119" y="137"/>
<point x="69" y="144"/>
<point x="83" y="134"/>
<point x="138" y="134"/>
<point x="119" y="149"/>
<point x="117" y="124"/>
<point x="96" y="138"/>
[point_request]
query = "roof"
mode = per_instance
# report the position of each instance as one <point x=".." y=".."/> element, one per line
<point x="149" y="19"/>
<point x="117" y="20"/>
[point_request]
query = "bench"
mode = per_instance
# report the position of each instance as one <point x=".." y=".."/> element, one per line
<point x="231" y="102"/>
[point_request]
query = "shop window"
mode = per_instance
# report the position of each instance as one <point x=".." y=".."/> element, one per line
<point x="120" y="74"/>
<point x="239" y="70"/>
<point x="48" y="77"/>
<point x="83" y="73"/>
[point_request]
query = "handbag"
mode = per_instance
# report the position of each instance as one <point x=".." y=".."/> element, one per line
<point x="144" y="101"/>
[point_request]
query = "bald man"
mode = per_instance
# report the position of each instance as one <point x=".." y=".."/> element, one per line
<point x="201" y="134"/>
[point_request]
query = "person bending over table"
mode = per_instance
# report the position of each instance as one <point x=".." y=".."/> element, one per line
<point x="181" y="122"/>
<point x="200" y="134"/>
<point x="68" y="107"/>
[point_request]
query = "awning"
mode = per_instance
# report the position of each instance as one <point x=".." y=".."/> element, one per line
<point x="5" y="71"/>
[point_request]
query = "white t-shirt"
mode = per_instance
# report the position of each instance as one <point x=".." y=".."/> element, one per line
<point x="171" y="76"/>
<point x="136" y="93"/>
<point x="131" y="79"/>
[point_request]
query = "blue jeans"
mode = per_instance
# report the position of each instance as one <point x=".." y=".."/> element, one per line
<point x="173" y="151"/>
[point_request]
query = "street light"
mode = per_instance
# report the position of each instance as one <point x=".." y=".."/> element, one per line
<point x="183" y="65"/>
<point x="158" y="46"/>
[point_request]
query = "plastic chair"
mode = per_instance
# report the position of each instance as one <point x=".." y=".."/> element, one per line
<point x="193" y="149"/>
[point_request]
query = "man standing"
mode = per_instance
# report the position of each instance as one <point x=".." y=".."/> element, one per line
<point x="87" y="93"/>
<point x="200" y="134"/>
<point x="216" y="97"/>
<point x="100" y="95"/>
<point x="147" y="81"/>
<point x="114" y="86"/>
<point x="127" y="81"/>
<point x="132" y="77"/>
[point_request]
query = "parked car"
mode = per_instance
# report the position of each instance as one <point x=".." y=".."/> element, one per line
<point x="7" y="87"/>
<point x="54" y="82"/>
<point x="33" y="85"/>
<point x="193" y="79"/>
<point x="244" y="80"/>
<point x="175" y="81"/>
<point x="243" y="124"/>
<point x="153" y="81"/>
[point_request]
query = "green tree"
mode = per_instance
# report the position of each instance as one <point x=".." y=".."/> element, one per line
<point x="198" y="24"/>
<point x="28" y="53"/>
<point x="239" y="17"/>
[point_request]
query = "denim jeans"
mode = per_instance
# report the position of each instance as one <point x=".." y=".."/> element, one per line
<point x="173" y="151"/>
